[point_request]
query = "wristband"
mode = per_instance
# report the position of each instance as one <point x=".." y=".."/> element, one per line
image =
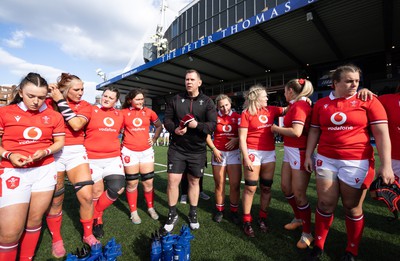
<point x="65" y="110"/>
<point x="6" y="154"/>
<point x="48" y="152"/>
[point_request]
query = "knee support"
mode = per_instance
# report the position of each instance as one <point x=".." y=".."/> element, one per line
<point x="250" y="182"/>
<point x="266" y="182"/>
<point x="114" y="183"/>
<point x="79" y="185"/>
<point x="147" y="176"/>
<point x="129" y="177"/>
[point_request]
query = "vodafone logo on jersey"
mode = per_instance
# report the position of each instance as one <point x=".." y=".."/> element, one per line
<point x="12" y="182"/>
<point x="109" y="122"/>
<point x="227" y="128"/>
<point x="263" y="119"/>
<point x="137" y="122"/>
<point x="32" y="133"/>
<point x="338" y="118"/>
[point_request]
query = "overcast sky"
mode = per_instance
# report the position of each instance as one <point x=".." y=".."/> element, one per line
<point x="77" y="36"/>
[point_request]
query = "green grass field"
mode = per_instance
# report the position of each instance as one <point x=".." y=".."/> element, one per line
<point x="226" y="241"/>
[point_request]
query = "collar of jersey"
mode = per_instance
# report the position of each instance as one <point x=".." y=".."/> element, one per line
<point x="222" y="115"/>
<point x="24" y="108"/>
<point x="332" y="97"/>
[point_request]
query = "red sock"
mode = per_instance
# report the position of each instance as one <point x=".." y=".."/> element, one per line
<point x="104" y="202"/>
<point x="323" y="222"/>
<point x="8" y="251"/>
<point x="354" y="227"/>
<point x="132" y="196"/>
<point x="305" y="215"/>
<point x="292" y="203"/>
<point x="234" y="208"/>
<point x="149" y="197"/>
<point x="54" y="226"/>
<point x="220" y="207"/>
<point x="87" y="227"/>
<point x="247" y="218"/>
<point x="262" y="214"/>
<point x="28" y="242"/>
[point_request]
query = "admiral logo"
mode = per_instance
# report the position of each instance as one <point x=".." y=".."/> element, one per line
<point x="183" y="100"/>
<point x="12" y="182"/>
<point x="109" y="122"/>
<point x="32" y="133"/>
<point x="17" y="118"/>
<point x="263" y="119"/>
<point x="137" y="122"/>
<point x="96" y="111"/>
<point x="295" y="162"/>
<point x="227" y="128"/>
<point x="357" y="180"/>
<point x="170" y="166"/>
<point x="201" y="102"/>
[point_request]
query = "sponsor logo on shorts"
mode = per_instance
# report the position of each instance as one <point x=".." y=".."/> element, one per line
<point x="12" y="182"/>
<point x="319" y="163"/>
<point x="252" y="157"/>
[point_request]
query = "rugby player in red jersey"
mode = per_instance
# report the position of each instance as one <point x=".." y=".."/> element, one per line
<point x="340" y="125"/>
<point x="104" y="151"/>
<point x="391" y="102"/>
<point x="72" y="159"/>
<point x="226" y="158"/>
<point x="137" y="151"/>
<point x="294" y="177"/>
<point x="31" y="134"/>
<point x="257" y="144"/>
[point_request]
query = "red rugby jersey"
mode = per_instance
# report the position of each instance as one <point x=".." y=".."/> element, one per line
<point x="391" y="103"/>
<point x="344" y="126"/>
<point x="81" y="109"/>
<point x="27" y="131"/>
<point x="102" y="131"/>
<point x="136" y="127"/>
<point x="227" y="127"/>
<point x="259" y="135"/>
<point x="298" y="113"/>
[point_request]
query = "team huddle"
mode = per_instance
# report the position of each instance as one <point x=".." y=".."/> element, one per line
<point x="48" y="131"/>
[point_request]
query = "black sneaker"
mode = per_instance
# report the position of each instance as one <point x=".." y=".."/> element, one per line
<point x="218" y="216"/>
<point x="235" y="218"/>
<point x="315" y="254"/>
<point x="98" y="231"/>
<point x="262" y="223"/>
<point x="193" y="222"/>
<point x="348" y="257"/>
<point x="248" y="229"/>
<point x="171" y="222"/>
